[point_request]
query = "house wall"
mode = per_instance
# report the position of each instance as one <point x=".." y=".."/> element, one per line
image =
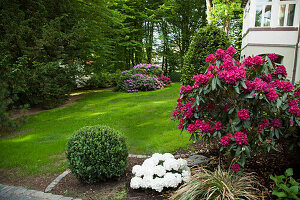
<point x="274" y="39"/>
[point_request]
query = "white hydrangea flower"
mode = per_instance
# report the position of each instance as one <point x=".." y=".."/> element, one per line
<point x="151" y="167"/>
<point x="150" y="162"/>
<point x="170" y="180"/>
<point x="148" y="171"/>
<point x="159" y="170"/>
<point x="158" y="156"/>
<point x="170" y="164"/>
<point x="182" y="163"/>
<point x="167" y="156"/>
<point x="158" y="184"/>
<point x="137" y="170"/>
<point x="186" y="175"/>
<point x="136" y="182"/>
<point x="147" y="180"/>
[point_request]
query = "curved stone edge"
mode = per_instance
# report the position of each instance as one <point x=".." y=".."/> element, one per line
<point x="12" y="192"/>
<point x="56" y="181"/>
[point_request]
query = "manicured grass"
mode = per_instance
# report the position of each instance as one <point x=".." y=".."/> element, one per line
<point x="143" y="117"/>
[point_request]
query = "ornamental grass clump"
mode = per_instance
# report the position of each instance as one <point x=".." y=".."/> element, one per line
<point x="97" y="153"/>
<point x="248" y="106"/>
<point x="143" y="77"/>
<point x="159" y="172"/>
<point x="218" y="185"/>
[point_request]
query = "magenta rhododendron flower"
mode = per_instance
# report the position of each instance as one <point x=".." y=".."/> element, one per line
<point x="230" y="51"/>
<point x="267" y="78"/>
<point x="294" y="109"/>
<point x="276" y="123"/>
<point x="225" y="141"/>
<point x="264" y="123"/>
<point x="210" y="58"/>
<point x="192" y="128"/>
<point x="273" y="57"/>
<point x="293" y="102"/>
<point x="226" y="107"/>
<point x="248" y="61"/>
<point x="201" y="79"/>
<point x="257" y="60"/>
<point x="260" y="85"/>
<point x="175" y="113"/>
<point x="235" y="167"/>
<point x="240" y="138"/>
<point x="260" y="129"/>
<point x="187" y="88"/>
<point x="271" y="95"/>
<point x="244" y="114"/>
<point x="291" y="122"/>
<point x="281" y="70"/>
<point x="218" y="126"/>
<point x="220" y="54"/>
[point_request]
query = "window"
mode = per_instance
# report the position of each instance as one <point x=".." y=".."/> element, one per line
<point x="263" y="13"/>
<point x="287" y="12"/>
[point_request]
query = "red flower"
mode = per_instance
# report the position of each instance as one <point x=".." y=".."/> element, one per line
<point x="235" y="167"/>
<point x="244" y="114"/>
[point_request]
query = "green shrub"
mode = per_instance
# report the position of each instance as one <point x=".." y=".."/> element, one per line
<point x="5" y="122"/>
<point x="285" y="186"/>
<point x="218" y="184"/>
<point x="175" y="76"/>
<point x="103" y="80"/>
<point x="97" y="153"/>
<point x="206" y="41"/>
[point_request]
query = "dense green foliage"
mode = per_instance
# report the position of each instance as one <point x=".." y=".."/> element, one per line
<point x="285" y="186"/>
<point x="206" y="41"/>
<point x="143" y="117"/>
<point x="97" y="153"/>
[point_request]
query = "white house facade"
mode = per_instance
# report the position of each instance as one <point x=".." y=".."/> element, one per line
<point x="272" y="26"/>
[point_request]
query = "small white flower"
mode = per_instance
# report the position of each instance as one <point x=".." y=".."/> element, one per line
<point x="158" y="156"/>
<point x="186" y="175"/>
<point x="137" y="170"/>
<point x="170" y="180"/>
<point x="146" y="183"/>
<point x="182" y="163"/>
<point x="159" y="170"/>
<point x="136" y="182"/>
<point x="157" y="184"/>
<point x="167" y="156"/>
<point x="148" y="171"/>
<point x="170" y="164"/>
<point x="150" y="162"/>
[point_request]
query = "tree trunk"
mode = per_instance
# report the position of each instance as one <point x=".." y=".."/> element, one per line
<point x="208" y="11"/>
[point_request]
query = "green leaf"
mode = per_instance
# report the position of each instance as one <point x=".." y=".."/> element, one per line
<point x="279" y="194"/>
<point x="244" y="84"/>
<point x="294" y="189"/>
<point x="214" y="83"/>
<point x="279" y="102"/>
<point x="238" y="151"/>
<point x="236" y="88"/>
<point x="231" y="110"/>
<point x="247" y="151"/>
<point x="293" y="181"/>
<point x="289" y="172"/>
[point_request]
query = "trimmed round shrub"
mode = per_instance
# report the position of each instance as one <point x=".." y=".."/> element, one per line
<point x="207" y="40"/>
<point x="97" y="153"/>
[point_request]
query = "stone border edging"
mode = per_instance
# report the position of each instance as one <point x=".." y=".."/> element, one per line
<point x="12" y="192"/>
<point x="56" y="181"/>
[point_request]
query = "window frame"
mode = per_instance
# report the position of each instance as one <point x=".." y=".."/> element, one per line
<point x="263" y="4"/>
<point x="286" y="12"/>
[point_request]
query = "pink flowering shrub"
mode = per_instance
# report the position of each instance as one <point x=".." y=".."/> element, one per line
<point x="248" y="106"/>
<point x="142" y="77"/>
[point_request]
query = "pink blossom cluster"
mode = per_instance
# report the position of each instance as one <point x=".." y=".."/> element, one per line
<point x="210" y="58"/>
<point x="276" y="123"/>
<point x="225" y="140"/>
<point x="244" y="114"/>
<point x="204" y="127"/>
<point x="233" y="75"/>
<point x="271" y="95"/>
<point x="187" y="88"/>
<point x="255" y="61"/>
<point x="241" y="138"/>
<point x="283" y="85"/>
<point x="268" y="78"/>
<point x="260" y="85"/>
<point x="220" y="54"/>
<point x="235" y="167"/>
<point x="273" y="57"/>
<point x="281" y="70"/>
<point x="201" y="79"/>
<point x="218" y="126"/>
<point x="294" y="108"/>
<point x="264" y="123"/>
<point x="230" y="51"/>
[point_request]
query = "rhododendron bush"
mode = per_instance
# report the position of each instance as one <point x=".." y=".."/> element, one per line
<point x="247" y="106"/>
<point x="143" y="77"/>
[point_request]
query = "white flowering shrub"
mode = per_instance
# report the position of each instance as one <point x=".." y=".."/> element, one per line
<point x="159" y="171"/>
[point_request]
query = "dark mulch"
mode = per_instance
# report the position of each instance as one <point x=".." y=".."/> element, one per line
<point x="70" y="186"/>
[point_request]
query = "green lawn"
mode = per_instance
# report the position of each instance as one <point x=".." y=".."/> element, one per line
<point x="143" y="117"/>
